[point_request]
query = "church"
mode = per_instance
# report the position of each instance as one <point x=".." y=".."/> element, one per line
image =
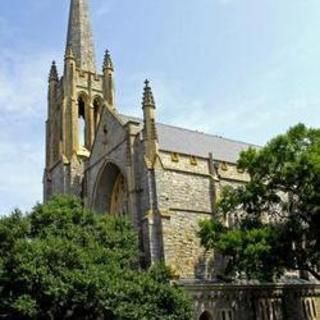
<point x="166" y="179"/>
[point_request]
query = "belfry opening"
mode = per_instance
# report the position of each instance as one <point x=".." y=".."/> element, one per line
<point x="81" y="122"/>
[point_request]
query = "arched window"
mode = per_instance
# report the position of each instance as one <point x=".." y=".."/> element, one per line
<point x="81" y="122"/>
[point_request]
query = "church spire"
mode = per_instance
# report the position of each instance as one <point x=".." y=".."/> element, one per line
<point x="80" y="38"/>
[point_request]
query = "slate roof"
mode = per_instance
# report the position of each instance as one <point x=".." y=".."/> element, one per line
<point x="196" y="143"/>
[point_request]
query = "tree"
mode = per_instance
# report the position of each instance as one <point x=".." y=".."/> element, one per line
<point x="62" y="261"/>
<point x="277" y="212"/>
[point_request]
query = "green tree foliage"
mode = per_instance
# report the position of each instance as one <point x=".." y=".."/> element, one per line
<point x="61" y="261"/>
<point x="276" y="214"/>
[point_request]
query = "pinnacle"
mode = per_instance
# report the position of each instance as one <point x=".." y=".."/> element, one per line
<point x="53" y="72"/>
<point x="148" y="99"/>
<point x="107" y="64"/>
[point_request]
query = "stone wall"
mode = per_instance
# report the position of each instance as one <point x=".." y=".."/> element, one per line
<point x="182" y="249"/>
<point x="183" y="191"/>
<point x="184" y="198"/>
<point x="186" y="189"/>
<point x="254" y="302"/>
<point x="54" y="180"/>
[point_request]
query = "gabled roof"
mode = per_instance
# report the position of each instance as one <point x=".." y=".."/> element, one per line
<point x="196" y="143"/>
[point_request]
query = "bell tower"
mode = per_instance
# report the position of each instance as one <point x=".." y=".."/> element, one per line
<point x="75" y="104"/>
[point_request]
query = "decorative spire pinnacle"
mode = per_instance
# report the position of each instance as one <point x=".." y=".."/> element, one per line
<point x="148" y="99"/>
<point x="80" y="35"/>
<point x="107" y="64"/>
<point x="53" y="76"/>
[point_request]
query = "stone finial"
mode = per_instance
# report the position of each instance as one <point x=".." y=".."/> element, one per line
<point x="80" y="37"/>
<point x="148" y="99"/>
<point x="53" y="75"/>
<point x="107" y="63"/>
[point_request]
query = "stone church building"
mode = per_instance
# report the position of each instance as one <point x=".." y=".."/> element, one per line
<point x="165" y="178"/>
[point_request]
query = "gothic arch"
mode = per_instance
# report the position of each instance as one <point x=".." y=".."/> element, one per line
<point x="206" y="316"/>
<point x="111" y="191"/>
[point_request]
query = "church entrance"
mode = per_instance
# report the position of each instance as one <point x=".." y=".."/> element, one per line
<point x="111" y="194"/>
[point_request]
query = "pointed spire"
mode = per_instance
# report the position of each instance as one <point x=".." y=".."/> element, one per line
<point x="53" y="76"/>
<point x="107" y="63"/>
<point x="148" y="99"/>
<point x="80" y="35"/>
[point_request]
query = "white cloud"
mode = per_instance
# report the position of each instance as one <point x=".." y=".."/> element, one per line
<point x="23" y="91"/>
<point x="23" y="82"/>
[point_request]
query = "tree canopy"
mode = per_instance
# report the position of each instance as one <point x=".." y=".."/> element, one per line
<point x="62" y="261"/>
<point x="276" y="214"/>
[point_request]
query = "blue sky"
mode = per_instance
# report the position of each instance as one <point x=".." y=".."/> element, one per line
<point x="244" y="69"/>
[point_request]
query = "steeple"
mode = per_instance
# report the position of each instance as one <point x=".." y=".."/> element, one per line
<point x="80" y="38"/>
